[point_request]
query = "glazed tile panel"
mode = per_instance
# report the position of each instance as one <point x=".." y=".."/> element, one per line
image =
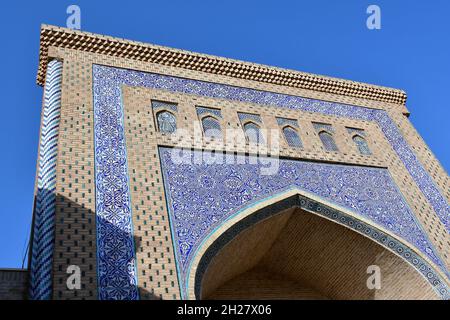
<point x="202" y="196"/>
<point x="116" y="265"/>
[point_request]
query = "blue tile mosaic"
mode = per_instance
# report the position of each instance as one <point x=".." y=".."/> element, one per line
<point x="158" y="105"/>
<point x="117" y="273"/>
<point x="201" y="196"/>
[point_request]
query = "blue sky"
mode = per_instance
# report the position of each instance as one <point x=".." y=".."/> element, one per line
<point x="329" y="37"/>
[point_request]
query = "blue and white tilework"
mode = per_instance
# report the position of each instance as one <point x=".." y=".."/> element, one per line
<point x="217" y="191"/>
<point x="117" y="273"/>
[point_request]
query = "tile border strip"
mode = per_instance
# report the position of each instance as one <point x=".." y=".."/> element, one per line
<point x="109" y="79"/>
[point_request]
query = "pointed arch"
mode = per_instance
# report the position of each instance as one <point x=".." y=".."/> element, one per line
<point x="211" y="126"/>
<point x="292" y="137"/>
<point x="297" y="198"/>
<point x="362" y="145"/>
<point x="328" y="141"/>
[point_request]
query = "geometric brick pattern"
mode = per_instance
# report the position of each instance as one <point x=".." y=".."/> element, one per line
<point x="88" y="42"/>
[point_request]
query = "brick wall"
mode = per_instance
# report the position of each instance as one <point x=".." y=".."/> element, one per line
<point x="13" y="284"/>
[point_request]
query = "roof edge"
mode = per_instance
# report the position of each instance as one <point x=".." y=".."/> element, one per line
<point x="117" y="47"/>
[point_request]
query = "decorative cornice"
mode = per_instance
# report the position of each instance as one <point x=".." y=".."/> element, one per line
<point x="94" y="43"/>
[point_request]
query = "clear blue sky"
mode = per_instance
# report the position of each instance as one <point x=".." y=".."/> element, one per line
<point x="411" y="51"/>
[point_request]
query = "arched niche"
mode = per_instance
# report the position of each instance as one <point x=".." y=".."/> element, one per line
<point x="294" y="247"/>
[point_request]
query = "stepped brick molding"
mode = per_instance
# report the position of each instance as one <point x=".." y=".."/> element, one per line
<point x="89" y="42"/>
